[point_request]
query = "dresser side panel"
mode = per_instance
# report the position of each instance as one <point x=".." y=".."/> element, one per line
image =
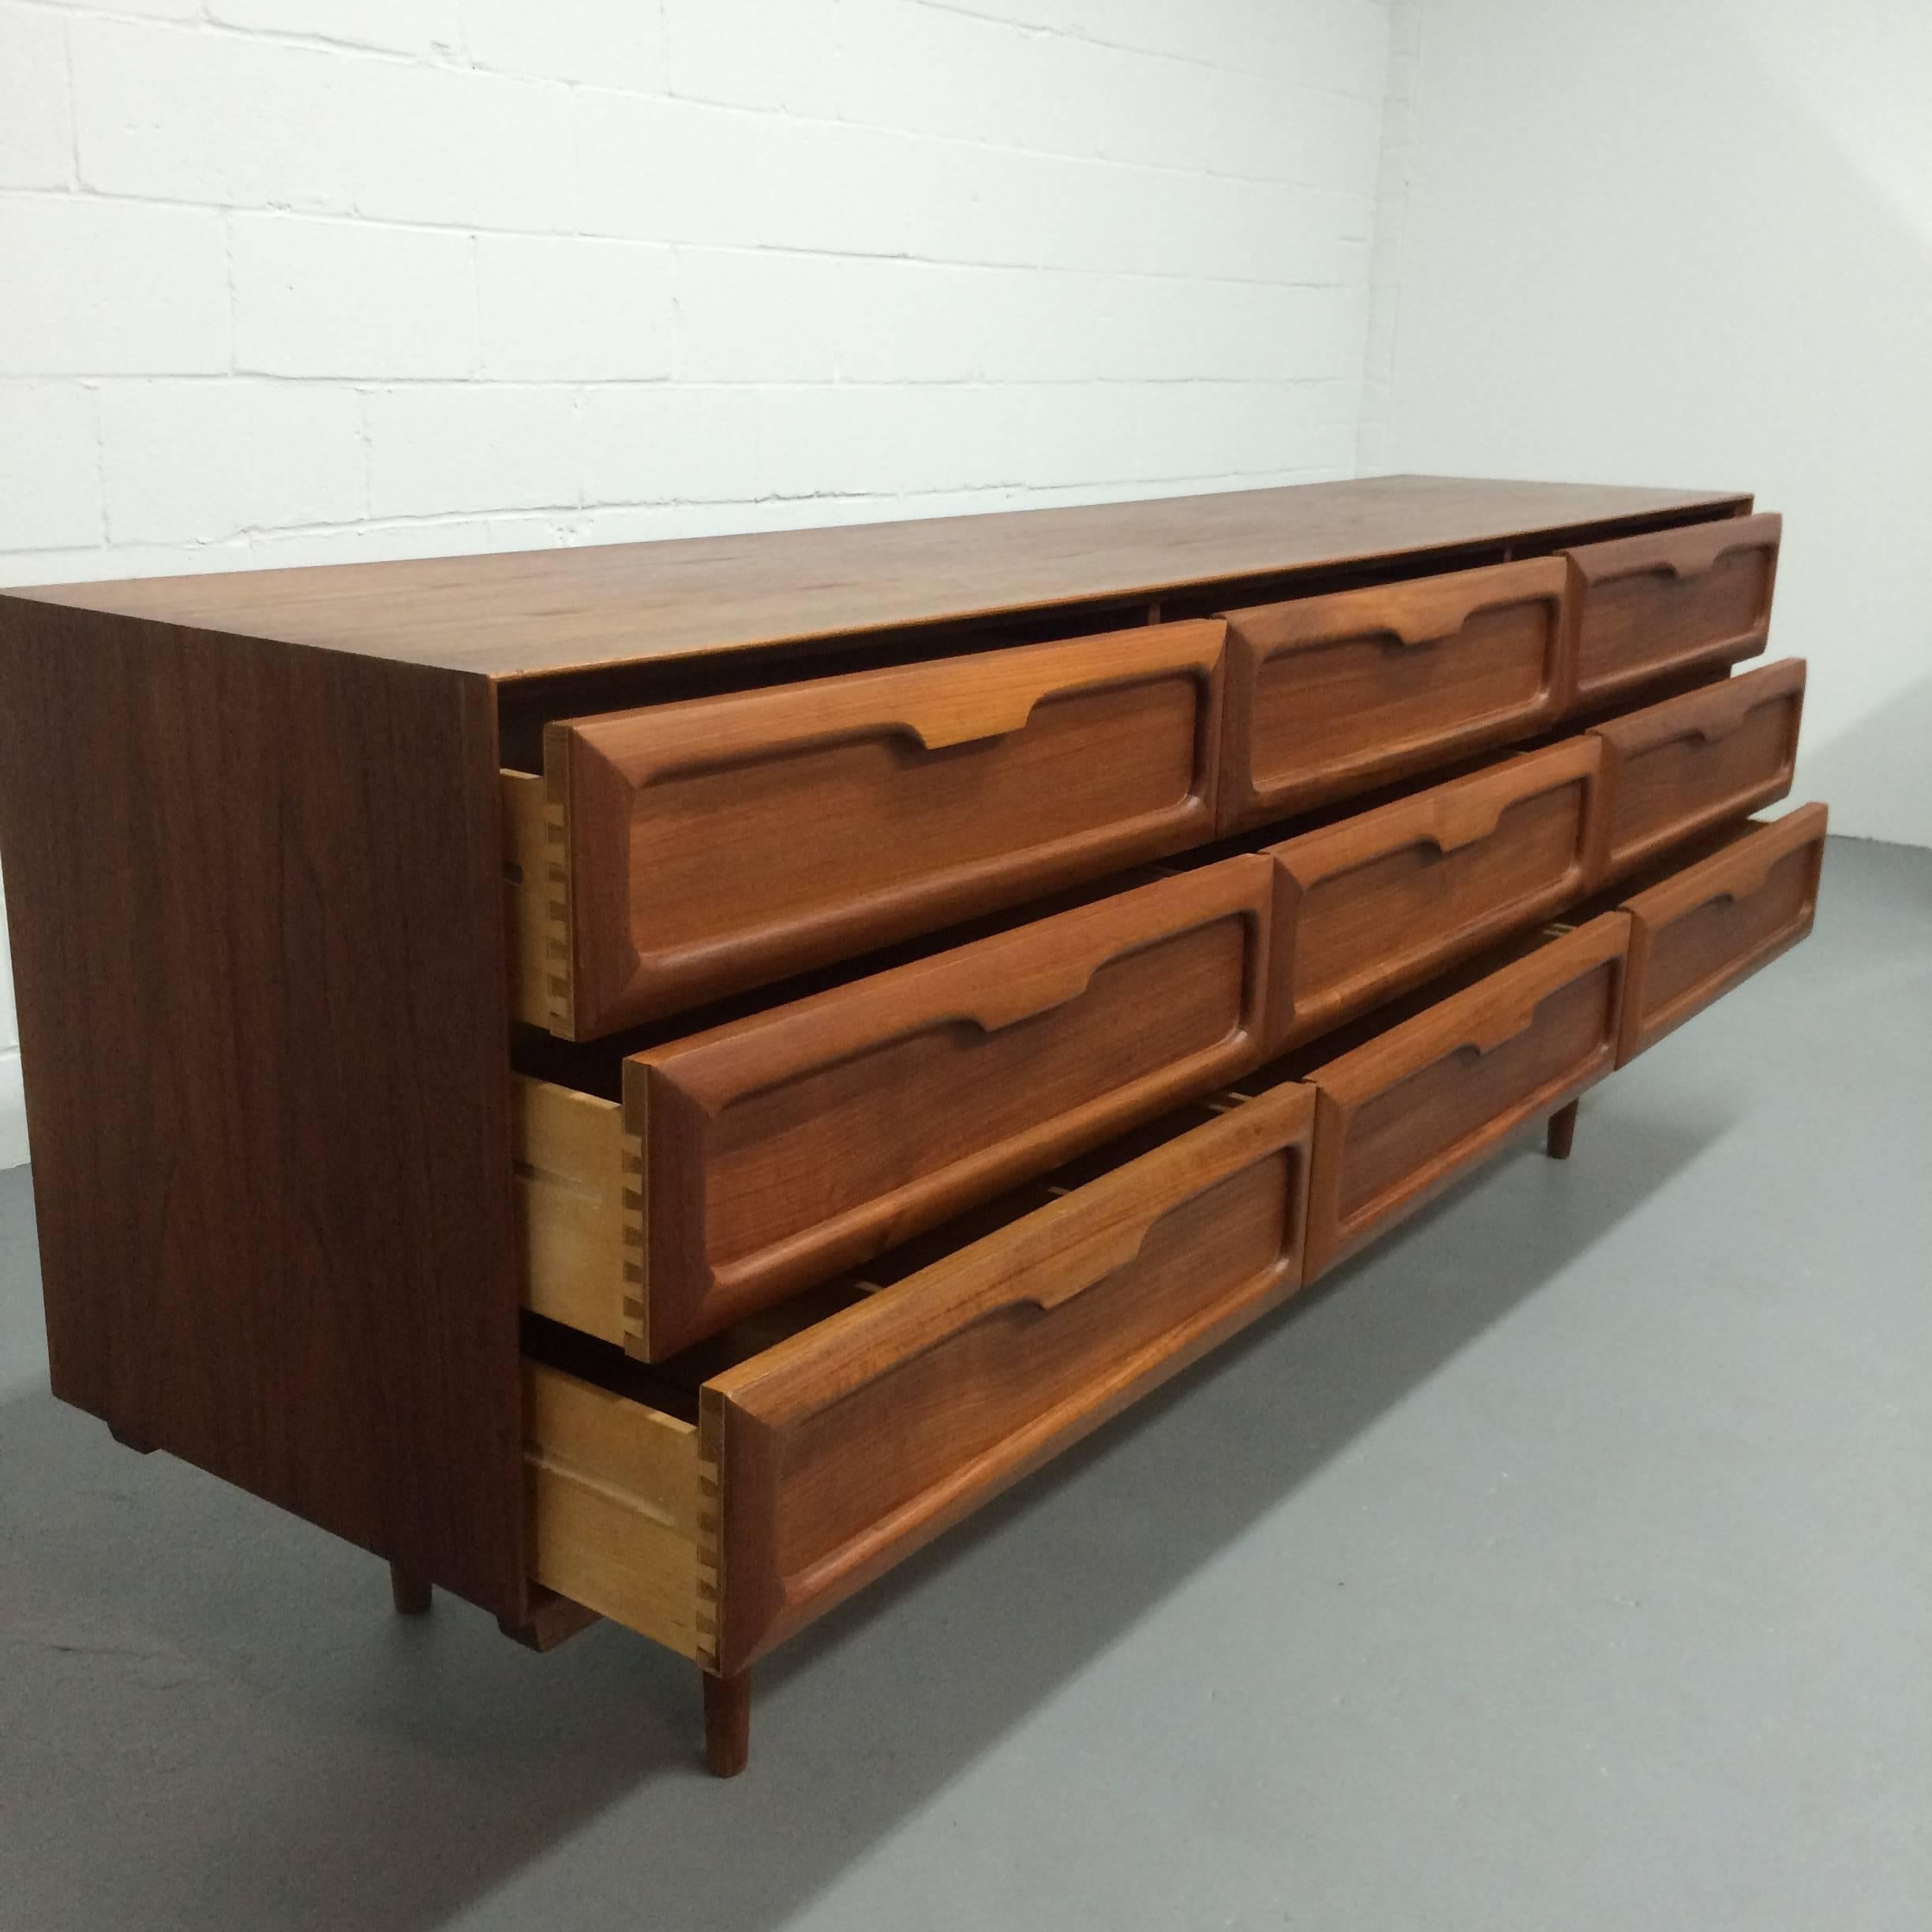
<point x="255" y="898"/>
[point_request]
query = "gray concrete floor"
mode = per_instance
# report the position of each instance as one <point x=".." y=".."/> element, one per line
<point x="1568" y="1566"/>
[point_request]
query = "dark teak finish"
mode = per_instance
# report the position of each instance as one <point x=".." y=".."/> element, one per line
<point x="1697" y="931"/>
<point x="721" y="843"/>
<point x="764" y="1166"/>
<point x="1694" y="763"/>
<point x="1327" y="695"/>
<point x="540" y="613"/>
<point x="1672" y="602"/>
<point x="1401" y="1116"/>
<point x="1366" y="908"/>
<point x="253" y="895"/>
<point x="394" y="1161"/>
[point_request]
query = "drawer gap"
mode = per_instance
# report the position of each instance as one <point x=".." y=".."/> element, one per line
<point x="576" y="1353"/>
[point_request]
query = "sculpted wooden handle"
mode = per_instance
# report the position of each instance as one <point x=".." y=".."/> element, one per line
<point x="1488" y="1030"/>
<point x="966" y="716"/>
<point x="1687" y="551"/>
<point x="1087" y="1259"/>
<point x="1455" y="818"/>
<point x="1751" y="878"/>
<point x="1432" y="622"/>
<point x="1725" y="709"/>
<point x="1027" y="995"/>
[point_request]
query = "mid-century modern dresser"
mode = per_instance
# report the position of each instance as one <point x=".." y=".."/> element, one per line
<point x="647" y="1082"/>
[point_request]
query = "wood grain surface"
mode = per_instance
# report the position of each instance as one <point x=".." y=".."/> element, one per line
<point x="1647" y="606"/>
<point x="537" y="612"/>
<point x="1329" y="695"/>
<point x="1677" y="769"/>
<point x="1374" y="903"/>
<point x="723" y="843"/>
<point x="255" y="900"/>
<point x="807" y="1138"/>
<point x="1400" y="1117"/>
<point x="978" y="1367"/>
<point x="1696" y="933"/>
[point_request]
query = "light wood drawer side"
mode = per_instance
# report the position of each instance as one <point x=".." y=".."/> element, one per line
<point x="612" y="1492"/>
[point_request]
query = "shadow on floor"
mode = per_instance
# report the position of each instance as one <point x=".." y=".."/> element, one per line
<point x="208" y="1717"/>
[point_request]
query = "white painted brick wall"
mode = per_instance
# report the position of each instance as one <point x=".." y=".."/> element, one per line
<point x="1400" y="95"/>
<point x="293" y="281"/>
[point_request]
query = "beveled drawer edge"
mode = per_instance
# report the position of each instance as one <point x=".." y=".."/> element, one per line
<point x="1440" y="607"/>
<point x="1458" y="813"/>
<point x="1689" y="890"/>
<point x="1068" y="1247"/>
<point x="1682" y="551"/>
<point x="1482" y="1016"/>
<point x="1444" y="600"/>
<point x="1679" y="550"/>
<point x="1708" y="714"/>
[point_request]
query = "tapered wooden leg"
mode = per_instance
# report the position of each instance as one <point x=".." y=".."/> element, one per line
<point x="1562" y="1131"/>
<point x="411" y="1592"/>
<point x="728" y="1723"/>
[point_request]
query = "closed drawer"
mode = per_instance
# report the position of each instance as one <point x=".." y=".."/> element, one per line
<point x="1690" y="763"/>
<point x="1696" y="935"/>
<point x="1378" y="902"/>
<point x="824" y="1458"/>
<point x="698" y="849"/>
<point x="1645" y="607"/>
<point x="1328" y="695"/>
<point x="759" y="1158"/>
<point x="1402" y="1115"/>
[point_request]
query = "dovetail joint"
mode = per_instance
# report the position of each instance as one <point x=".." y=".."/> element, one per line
<point x="635" y="1253"/>
<point x="559" y="978"/>
<point x="710" y="1604"/>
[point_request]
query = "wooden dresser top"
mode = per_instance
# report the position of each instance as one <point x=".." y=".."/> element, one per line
<point x="536" y="612"/>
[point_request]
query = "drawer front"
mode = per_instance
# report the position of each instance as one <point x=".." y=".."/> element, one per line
<point x="718" y="844"/>
<point x="784" y="1147"/>
<point x="844" y="1448"/>
<point x="1644" y="607"/>
<point x="1400" y="1117"/>
<point x="1328" y="695"/>
<point x="1377" y="902"/>
<point x="1694" y="935"/>
<point x="1692" y="762"/>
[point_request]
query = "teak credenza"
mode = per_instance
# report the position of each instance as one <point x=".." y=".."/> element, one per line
<point x="647" y="1082"/>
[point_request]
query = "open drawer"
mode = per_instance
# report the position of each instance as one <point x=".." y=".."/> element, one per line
<point x="757" y="1158"/>
<point x="960" y="1363"/>
<point x="1418" y="1096"/>
<point x="1697" y="932"/>
<point x="1647" y="607"/>
<point x="1374" y="903"/>
<point x="698" y="848"/>
<point x="1686" y="766"/>
<point x="1330" y="695"/>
